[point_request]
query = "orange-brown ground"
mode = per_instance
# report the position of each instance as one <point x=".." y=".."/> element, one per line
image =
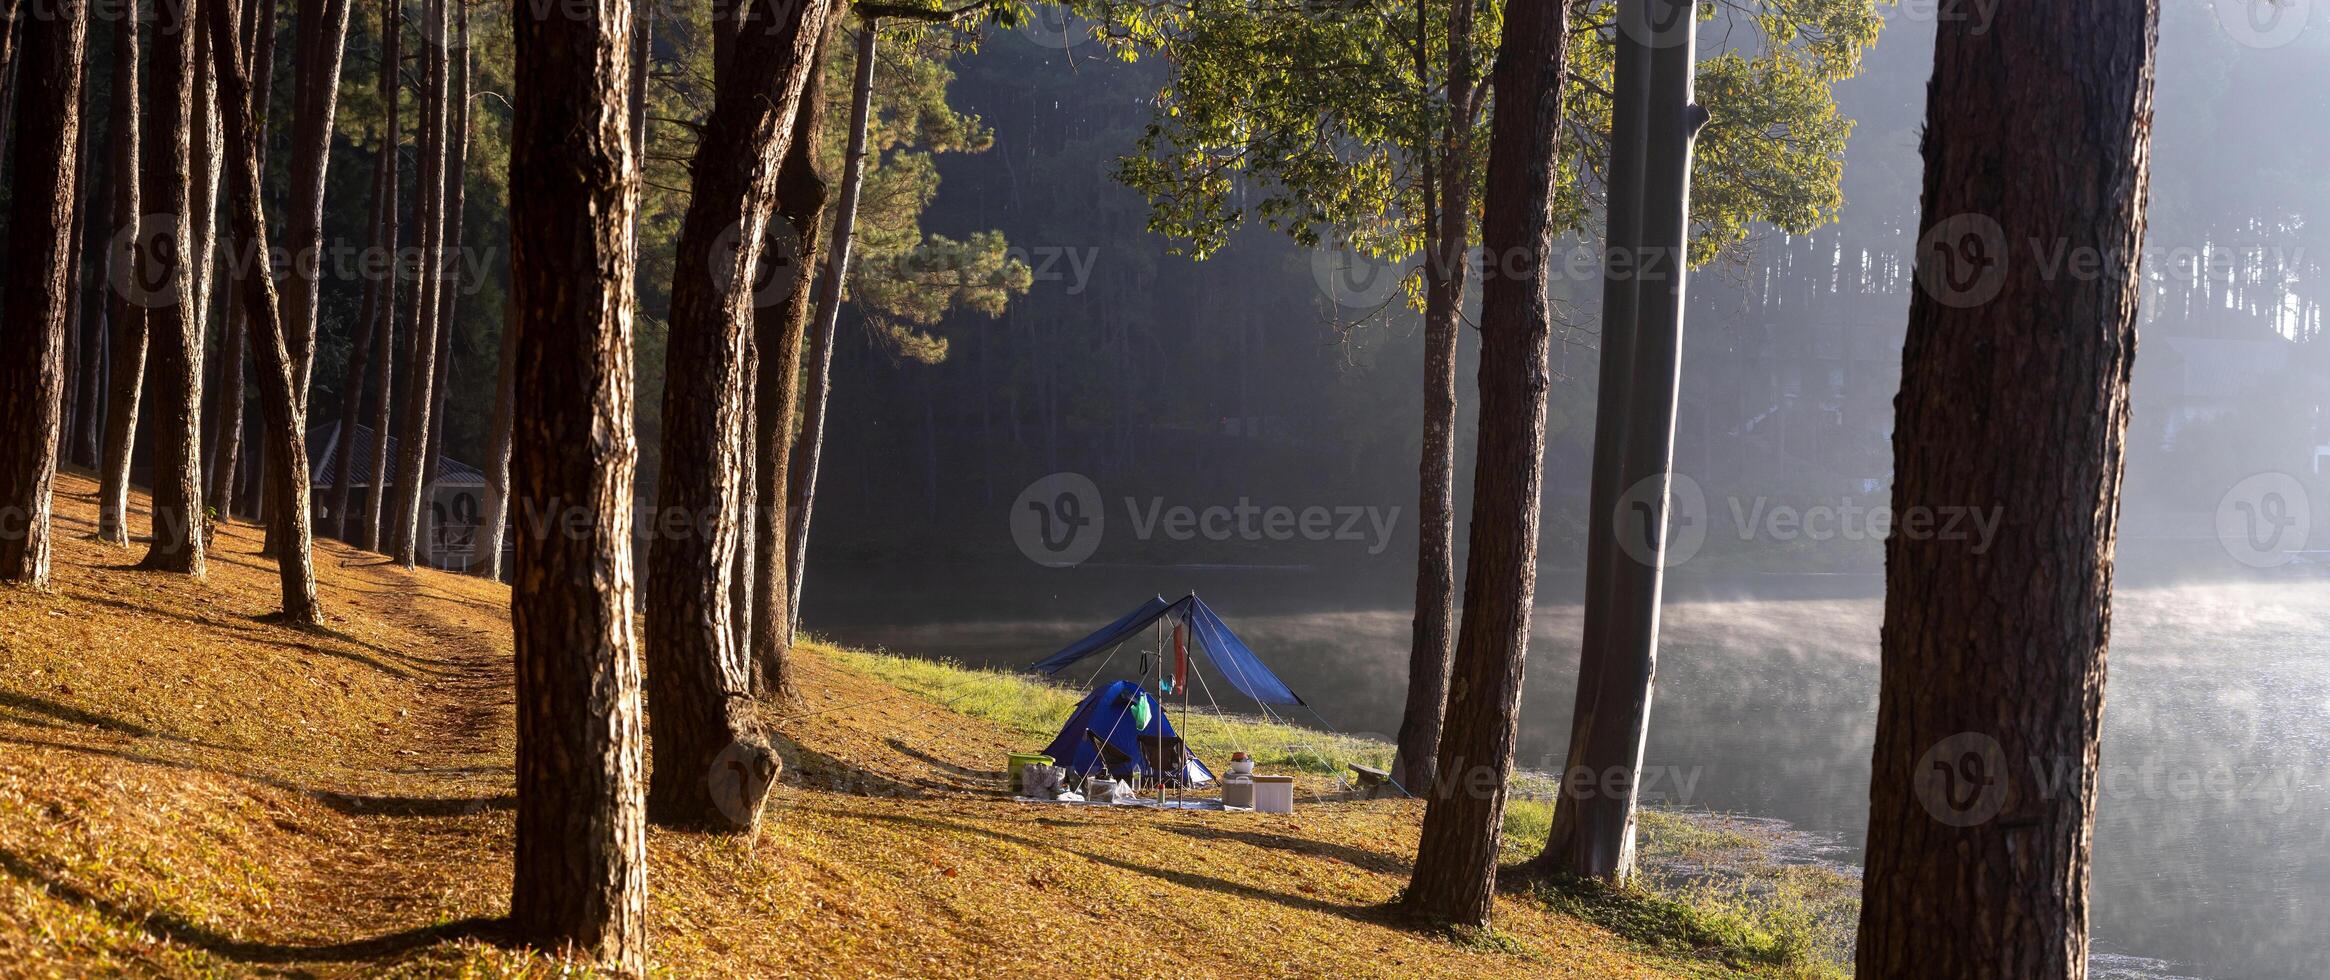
<point x="187" y="788"/>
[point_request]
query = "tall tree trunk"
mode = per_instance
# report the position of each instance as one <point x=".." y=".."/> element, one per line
<point x="493" y="529"/>
<point x="421" y="368"/>
<point x="87" y="437"/>
<point x="801" y="195"/>
<point x="580" y="880"/>
<point x="164" y="259"/>
<point x="449" y="281"/>
<point x="125" y="350"/>
<point x="321" y="39"/>
<point x="1444" y="280"/>
<point x="203" y="185"/>
<point x="1649" y="214"/>
<point x="40" y="250"/>
<point x="809" y="449"/>
<point x="80" y="347"/>
<point x="227" y="440"/>
<point x="10" y="16"/>
<point x="384" y="340"/>
<point x="1456" y="859"/>
<point x="712" y="767"/>
<point x="360" y="352"/>
<point x="286" y="423"/>
<point x="2014" y="403"/>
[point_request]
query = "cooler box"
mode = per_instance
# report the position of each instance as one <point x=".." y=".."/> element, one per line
<point x="1274" y="794"/>
<point x="1238" y="791"/>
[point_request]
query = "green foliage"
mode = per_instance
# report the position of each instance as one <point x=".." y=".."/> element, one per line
<point x="905" y="280"/>
<point x="1320" y="119"/>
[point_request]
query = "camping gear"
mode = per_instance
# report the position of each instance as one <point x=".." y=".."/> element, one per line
<point x="1019" y="762"/>
<point x="1041" y="780"/>
<point x="1274" y="794"/>
<point x="1238" y="791"/>
<point x="1233" y="661"/>
<point x="1180" y="657"/>
<point x="1240" y="765"/>
<point x="1101" y="736"/>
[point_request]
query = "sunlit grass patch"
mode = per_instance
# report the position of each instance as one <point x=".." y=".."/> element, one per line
<point x="1037" y="708"/>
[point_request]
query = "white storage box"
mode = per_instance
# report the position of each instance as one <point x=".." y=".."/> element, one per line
<point x="1273" y="794"/>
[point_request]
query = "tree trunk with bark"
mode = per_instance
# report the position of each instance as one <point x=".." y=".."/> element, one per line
<point x="86" y="439"/>
<point x="809" y="449"/>
<point x="801" y="196"/>
<point x="227" y="438"/>
<point x="1445" y="273"/>
<point x="384" y="340"/>
<point x="40" y="249"/>
<point x="320" y="37"/>
<point x="493" y="530"/>
<point x="712" y="766"/>
<point x="2014" y="403"/>
<point x="412" y="433"/>
<point x="81" y="347"/>
<point x="1653" y="131"/>
<point x="125" y="349"/>
<point x="285" y="419"/>
<point x="580" y="878"/>
<point x="1456" y="859"/>
<point x="164" y="266"/>
<point x="360" y="353"/>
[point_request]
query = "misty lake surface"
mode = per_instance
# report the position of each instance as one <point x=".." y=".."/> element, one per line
<point x="2212" y="841"/>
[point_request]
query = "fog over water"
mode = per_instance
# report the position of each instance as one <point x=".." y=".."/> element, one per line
<point x="2212" y="850"/>
<point x="1224" y="382"/>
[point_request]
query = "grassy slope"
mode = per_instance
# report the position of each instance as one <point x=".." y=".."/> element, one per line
<point x="189" y="789"/>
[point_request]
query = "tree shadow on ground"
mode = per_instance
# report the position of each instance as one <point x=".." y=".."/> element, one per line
<point x="201" y="937"/>
<point x="1369" y="913"/>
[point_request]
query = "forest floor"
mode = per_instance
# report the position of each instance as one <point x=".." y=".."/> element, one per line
<point x="190" y="788"/>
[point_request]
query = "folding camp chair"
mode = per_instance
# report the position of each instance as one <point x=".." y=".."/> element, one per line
<point x="1107" y="758"/>
<point x="1169" y="758"/>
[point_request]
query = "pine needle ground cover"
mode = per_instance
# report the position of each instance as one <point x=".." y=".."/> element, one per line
<point x="188" y="788"/>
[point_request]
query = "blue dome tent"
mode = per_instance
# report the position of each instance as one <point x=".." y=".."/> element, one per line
<point x="1108" y="723"/>
<point x="1121" y="727"/>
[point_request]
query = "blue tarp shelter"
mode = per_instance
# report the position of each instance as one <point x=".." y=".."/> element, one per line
<point x="1112" y="714"/>
<point x="1233" y="661"/>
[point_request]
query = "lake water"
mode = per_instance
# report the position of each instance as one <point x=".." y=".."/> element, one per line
<point x="2212" y="850"/>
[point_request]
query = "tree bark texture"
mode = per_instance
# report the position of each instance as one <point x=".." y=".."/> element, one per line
<point x="2014" y="400"/>
<point x="809" y="449"/>
<point x="40" y="248"/>
<point x="125" y="348"/>
<point x="699" y="691"/>
<point x="421" y="367"/>
<point x="321" y="39"/>
<point x="778" y="333"/>
<point x="1456" y="859"/>
<point x="166" y="249"/>
<point x="1654" y="129"/>
<point x="360" y="353"/>
<point x="285" y="419"/>
<point x="226" y="452"/>
<point x="580" y="880"/>
<point x="1445" y="273"/>
<point x="384" y="341"/>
